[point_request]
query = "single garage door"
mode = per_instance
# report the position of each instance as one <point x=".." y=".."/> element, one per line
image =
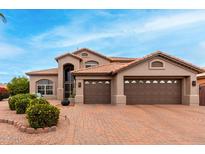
<point x="97" y="92"/>
<point x="153" y="91"/>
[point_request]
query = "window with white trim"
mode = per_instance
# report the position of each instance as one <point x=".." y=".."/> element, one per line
<point x="45" y="87"/>
<point x="91" y="63"/>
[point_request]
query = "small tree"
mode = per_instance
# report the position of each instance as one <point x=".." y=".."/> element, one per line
<point x="18" y="85"/>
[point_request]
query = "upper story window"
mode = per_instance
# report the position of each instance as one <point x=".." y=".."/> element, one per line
<point x="84" y="54"/>
<point x="91" y="63"/>
<point x="45" y="87"/>
<point x="157" y="64"/>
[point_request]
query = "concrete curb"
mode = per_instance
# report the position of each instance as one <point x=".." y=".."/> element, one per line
<point x="26" y="129"/>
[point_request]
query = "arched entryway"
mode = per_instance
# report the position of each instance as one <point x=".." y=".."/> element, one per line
<point x="68" y="80"/>
<point x="202" y="94"/>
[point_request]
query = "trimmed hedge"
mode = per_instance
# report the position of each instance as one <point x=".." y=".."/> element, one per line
<point x="12" y="101"/>
<point x="42" y="115"/>
<point x="22" y="105"/>
<point x="18" y="98"/>
<point x="38" y="101"/>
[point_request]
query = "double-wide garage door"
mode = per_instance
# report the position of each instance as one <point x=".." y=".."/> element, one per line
<point x="97" y="92"/>
<point x="152" y="91"/>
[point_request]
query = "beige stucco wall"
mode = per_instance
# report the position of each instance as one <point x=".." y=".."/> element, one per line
<point x="61" y="62"/>
<point x="189" y="93"/>
<point x="34" y="79"/>
<point x="77" y="65"/>
<point x="100" y="60"/>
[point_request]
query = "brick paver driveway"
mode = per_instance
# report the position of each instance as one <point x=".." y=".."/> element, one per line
<point x="111" y="124"/>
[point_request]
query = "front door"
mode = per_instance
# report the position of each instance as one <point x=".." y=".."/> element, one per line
<point x="68" y="89"/>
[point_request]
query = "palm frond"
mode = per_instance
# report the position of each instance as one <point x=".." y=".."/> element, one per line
<point x="3" y="18"/>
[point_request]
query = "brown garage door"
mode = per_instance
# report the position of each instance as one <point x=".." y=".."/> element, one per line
<point x="153" y="91"/>
<point x="97" y="92"/>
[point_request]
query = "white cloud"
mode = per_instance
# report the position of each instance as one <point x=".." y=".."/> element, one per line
<point x="202" y="45"/>
<point x="8" y="50"/>
<point x="171" y="21"/>
<point x="75" y="33"/>
<point x="4" y="73"/>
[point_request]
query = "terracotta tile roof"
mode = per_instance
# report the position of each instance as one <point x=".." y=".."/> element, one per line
<point x="114" y="68"/>
<point x="102" y="69"/>
<point x="52" y="71"/>
<point x="91" y="51"/>
<point x="161" y="54"/>
<point x="201" y="75"/>
<point x="122" y="59"/>
<point x="68" y="54"/>
<point x="112" y="59"/>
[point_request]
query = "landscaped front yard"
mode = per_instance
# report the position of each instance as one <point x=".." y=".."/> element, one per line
<point x="110" y="124"/>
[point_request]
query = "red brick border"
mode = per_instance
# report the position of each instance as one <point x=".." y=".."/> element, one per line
<point x="27" y="129"/>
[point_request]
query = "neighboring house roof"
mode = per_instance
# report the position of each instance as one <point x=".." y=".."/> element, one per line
<point x="201" y="76"/>
<point x="3" y="85"/>
<point x="115" y="68"/>
<point x="52" y="71"/>
<point x="100" y="70"/>
<point x="68" y="54"/>
<point x="91" y="51"/>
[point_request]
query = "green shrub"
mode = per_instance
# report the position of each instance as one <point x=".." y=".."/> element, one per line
<point x="42" y="115"/>
<point x="21" y="105"/>
<point x="31" y="96"/>
<point x="18" y="85"/>
<point x="18" y="98"/>
<point x="12" y="101"/>
<point x="38" y="101"/>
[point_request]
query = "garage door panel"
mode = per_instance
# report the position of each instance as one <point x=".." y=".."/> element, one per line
<point x="97" y="92"/>
<point x="152" y="91"/>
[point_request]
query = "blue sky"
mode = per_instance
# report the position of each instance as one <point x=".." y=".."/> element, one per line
<point x="31" y="39"/>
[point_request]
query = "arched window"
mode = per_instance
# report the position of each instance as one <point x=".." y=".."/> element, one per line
<point x="45" y="87"/>
<point x="157" y="64"/>
<point x="91" y="63"/>
<point x="68" y="80"/>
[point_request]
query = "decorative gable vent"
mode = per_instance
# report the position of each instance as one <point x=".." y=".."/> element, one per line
<point x="84" y="54"/>
<point x="157" y="64"/>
